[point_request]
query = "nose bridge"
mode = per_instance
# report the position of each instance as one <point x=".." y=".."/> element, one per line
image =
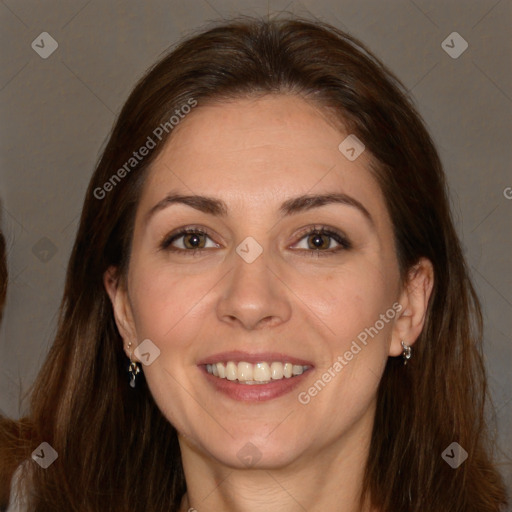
<point x="253" y="292"/>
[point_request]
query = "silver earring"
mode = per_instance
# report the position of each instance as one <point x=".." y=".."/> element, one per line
<point x="407" y="352"/>
<point x="133" y="369"/>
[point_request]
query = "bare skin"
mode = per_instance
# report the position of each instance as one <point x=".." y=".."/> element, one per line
<point x="255" y="154"/>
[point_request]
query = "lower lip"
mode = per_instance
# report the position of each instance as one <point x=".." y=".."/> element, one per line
<point x="255" y="392"/>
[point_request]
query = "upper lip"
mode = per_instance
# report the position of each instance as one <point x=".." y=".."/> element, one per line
<point x="253" y="357"/>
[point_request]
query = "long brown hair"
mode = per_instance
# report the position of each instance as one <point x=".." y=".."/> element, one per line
<point x="116" y="451"/>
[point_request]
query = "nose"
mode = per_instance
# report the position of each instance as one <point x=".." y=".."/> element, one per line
<point x="255" y="295"/>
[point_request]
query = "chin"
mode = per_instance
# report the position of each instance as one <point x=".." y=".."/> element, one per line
<point x="255" y="450"/>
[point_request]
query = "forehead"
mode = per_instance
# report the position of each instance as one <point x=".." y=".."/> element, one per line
<point x="248" y="151"/>
<point x="270" y="123"/>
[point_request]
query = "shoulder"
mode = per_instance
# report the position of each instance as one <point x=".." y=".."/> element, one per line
<point x="17" y="498"/>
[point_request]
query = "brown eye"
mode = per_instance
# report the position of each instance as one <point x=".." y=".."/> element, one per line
<point x="193" y="240"/>
<point x="319" y="241"/>
<point x="190" y="240"/>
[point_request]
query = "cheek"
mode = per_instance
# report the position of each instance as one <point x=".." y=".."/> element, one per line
<point x="350" y="300"/>
<point x="165" y="304"/>
<point x="169" y="309"/>
<point x="362" y="316"/>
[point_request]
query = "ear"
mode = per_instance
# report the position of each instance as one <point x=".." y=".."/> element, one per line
<point x="122" y="309"/>
<point x="414" y="301"/>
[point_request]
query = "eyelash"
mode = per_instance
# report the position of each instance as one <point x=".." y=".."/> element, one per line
<point x="316" y="230"/>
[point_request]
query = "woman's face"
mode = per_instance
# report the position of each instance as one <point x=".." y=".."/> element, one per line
<point x="262" y="290"/>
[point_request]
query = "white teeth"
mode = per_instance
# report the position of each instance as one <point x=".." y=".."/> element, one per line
<point x="244" y="371"/>
<point x="297" y="370"/>
<point x="221" y="371"/>
<point x="276" y="370"/>
<point x="231" y="371"/>
<point x="259" y="373"/>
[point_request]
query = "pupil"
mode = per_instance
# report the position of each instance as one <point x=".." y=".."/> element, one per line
<point x="194" y="240"/>
<point x="317" y="240"/>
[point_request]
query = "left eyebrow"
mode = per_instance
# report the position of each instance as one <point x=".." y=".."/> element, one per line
<point x="307" y="202"/>
<point x="294" y="205"/>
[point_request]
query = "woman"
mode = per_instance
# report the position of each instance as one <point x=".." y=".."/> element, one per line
<point x="252" y="376"/>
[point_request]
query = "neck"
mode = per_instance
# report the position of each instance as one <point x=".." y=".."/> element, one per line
<point x="326" y="479"/>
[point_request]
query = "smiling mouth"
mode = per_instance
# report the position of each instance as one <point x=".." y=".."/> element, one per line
<point x="259" y="373"/>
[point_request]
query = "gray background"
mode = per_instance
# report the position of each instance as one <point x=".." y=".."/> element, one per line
<point x="57" y="112"/>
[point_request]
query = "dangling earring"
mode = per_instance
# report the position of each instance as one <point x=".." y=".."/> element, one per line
<point x="133" y="368"/>
<point x="406" y="354"/>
